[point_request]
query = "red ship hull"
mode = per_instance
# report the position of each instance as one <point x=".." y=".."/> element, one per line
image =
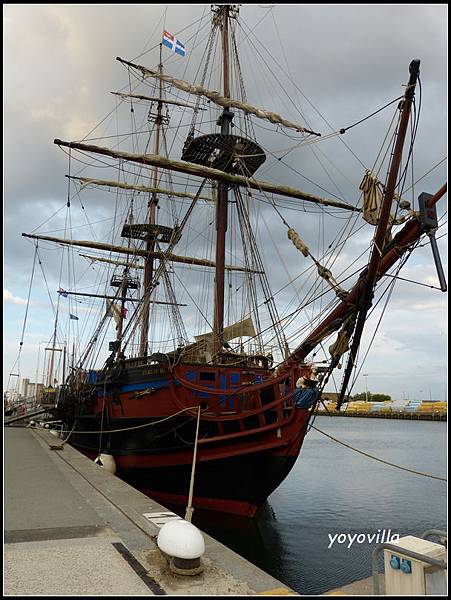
<point x="250" y="434"/>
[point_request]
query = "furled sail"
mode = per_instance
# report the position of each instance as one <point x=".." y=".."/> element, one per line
<point x="129" y="265"/>
<point x="138" y="188"/>
<point x="217" y="98"/>
<point x="202" y="171"/>
<point x="189" y="260"/>
<point x="373" y="195"/>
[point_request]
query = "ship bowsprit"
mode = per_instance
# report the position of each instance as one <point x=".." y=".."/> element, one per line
<point x="229" y="153"/>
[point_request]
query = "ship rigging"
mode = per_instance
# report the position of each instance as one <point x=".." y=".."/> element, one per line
<point x="217" y="338"/>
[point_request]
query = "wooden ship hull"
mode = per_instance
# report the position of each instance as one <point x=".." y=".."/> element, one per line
<point x="248" y="440"/>
<point x="176" y="404"/>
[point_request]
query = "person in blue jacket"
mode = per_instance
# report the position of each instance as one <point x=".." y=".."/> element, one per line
<point x="307" y="394"/>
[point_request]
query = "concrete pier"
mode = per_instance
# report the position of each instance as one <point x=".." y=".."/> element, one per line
<point x="71" y="528"/>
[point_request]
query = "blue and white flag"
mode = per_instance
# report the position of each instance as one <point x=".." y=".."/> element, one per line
<point x="173" y="43"/>
<point x="73" y="317"/>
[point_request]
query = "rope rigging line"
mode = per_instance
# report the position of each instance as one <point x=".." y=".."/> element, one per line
<point x="428" y="172"/>
<point x="433" y="287"/>
<point x="390" y="288"/>
<point x="151" y="424"/>
<point x="312" y="290"/>
<point x="251" y="248"/>
<point x="28" y="298"/>
<point x="351" y="223"/>
<point x="300" y="245"/>
<point x="189" y="508"/>
<point x="311" y="139"/>
<point x="257" y="41"/>
<point x="285" y="164"/>
<point x="344" y="129"/>
<point x="129" y="330"/>
<point x="17" y="361"/>
<point x="47" y="286"/>
<point x="386" y="462"/>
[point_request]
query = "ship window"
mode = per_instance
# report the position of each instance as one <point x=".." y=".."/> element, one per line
<point x="235" y="378"/>
<point x="207" y="376"/>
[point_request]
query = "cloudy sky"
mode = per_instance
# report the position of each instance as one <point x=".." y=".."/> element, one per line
<point x="336" y="63"/>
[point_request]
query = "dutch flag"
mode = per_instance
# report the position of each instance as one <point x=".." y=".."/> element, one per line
<point x="173" y="43"/>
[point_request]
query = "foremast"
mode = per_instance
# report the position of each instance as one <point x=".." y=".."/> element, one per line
<point x="150" y="243"/>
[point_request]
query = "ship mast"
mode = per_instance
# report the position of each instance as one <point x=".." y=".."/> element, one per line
<point x="150" y="244"/>
<point x="379" y="241"/>
<point x="222" y="200"/>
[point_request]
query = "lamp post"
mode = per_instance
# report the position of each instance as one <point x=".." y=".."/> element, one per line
<point x="366" y="386"/>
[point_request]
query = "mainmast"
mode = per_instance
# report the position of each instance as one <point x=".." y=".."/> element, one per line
<point x="224" y="121"/>
<point x="150" y="244"/>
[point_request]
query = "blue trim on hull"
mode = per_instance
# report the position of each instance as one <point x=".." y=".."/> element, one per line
<point x="157" y="383"/>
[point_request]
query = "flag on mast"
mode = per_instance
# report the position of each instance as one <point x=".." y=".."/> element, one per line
<point x="171" y="42"/>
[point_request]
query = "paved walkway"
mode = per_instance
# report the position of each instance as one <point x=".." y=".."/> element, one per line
<point x="71" y="528"/>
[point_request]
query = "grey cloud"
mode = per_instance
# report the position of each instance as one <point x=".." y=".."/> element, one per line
<point x="348" y="60"/>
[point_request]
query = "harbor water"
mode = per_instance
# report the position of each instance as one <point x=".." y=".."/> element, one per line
<point x="333" y="491"/>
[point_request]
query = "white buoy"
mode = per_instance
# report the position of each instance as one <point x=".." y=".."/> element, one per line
<point x="106" y="460"/>
<point x="184" y="544"/>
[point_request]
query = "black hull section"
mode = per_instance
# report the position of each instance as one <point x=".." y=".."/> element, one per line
<point x="176" y="434"/>
<point x="245" y="479"/>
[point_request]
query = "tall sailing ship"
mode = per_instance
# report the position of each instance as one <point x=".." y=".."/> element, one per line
<point x="202" y="353"/>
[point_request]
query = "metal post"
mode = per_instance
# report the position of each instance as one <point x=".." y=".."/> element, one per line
<point x="366" y="386"/>
<point x="438" y="262"/>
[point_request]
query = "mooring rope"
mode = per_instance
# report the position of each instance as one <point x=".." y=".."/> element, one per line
<point x="189" y="508"/>
<point x="379" y="459"/>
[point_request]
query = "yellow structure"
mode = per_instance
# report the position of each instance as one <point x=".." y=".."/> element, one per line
<point x="387" y="407"/>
